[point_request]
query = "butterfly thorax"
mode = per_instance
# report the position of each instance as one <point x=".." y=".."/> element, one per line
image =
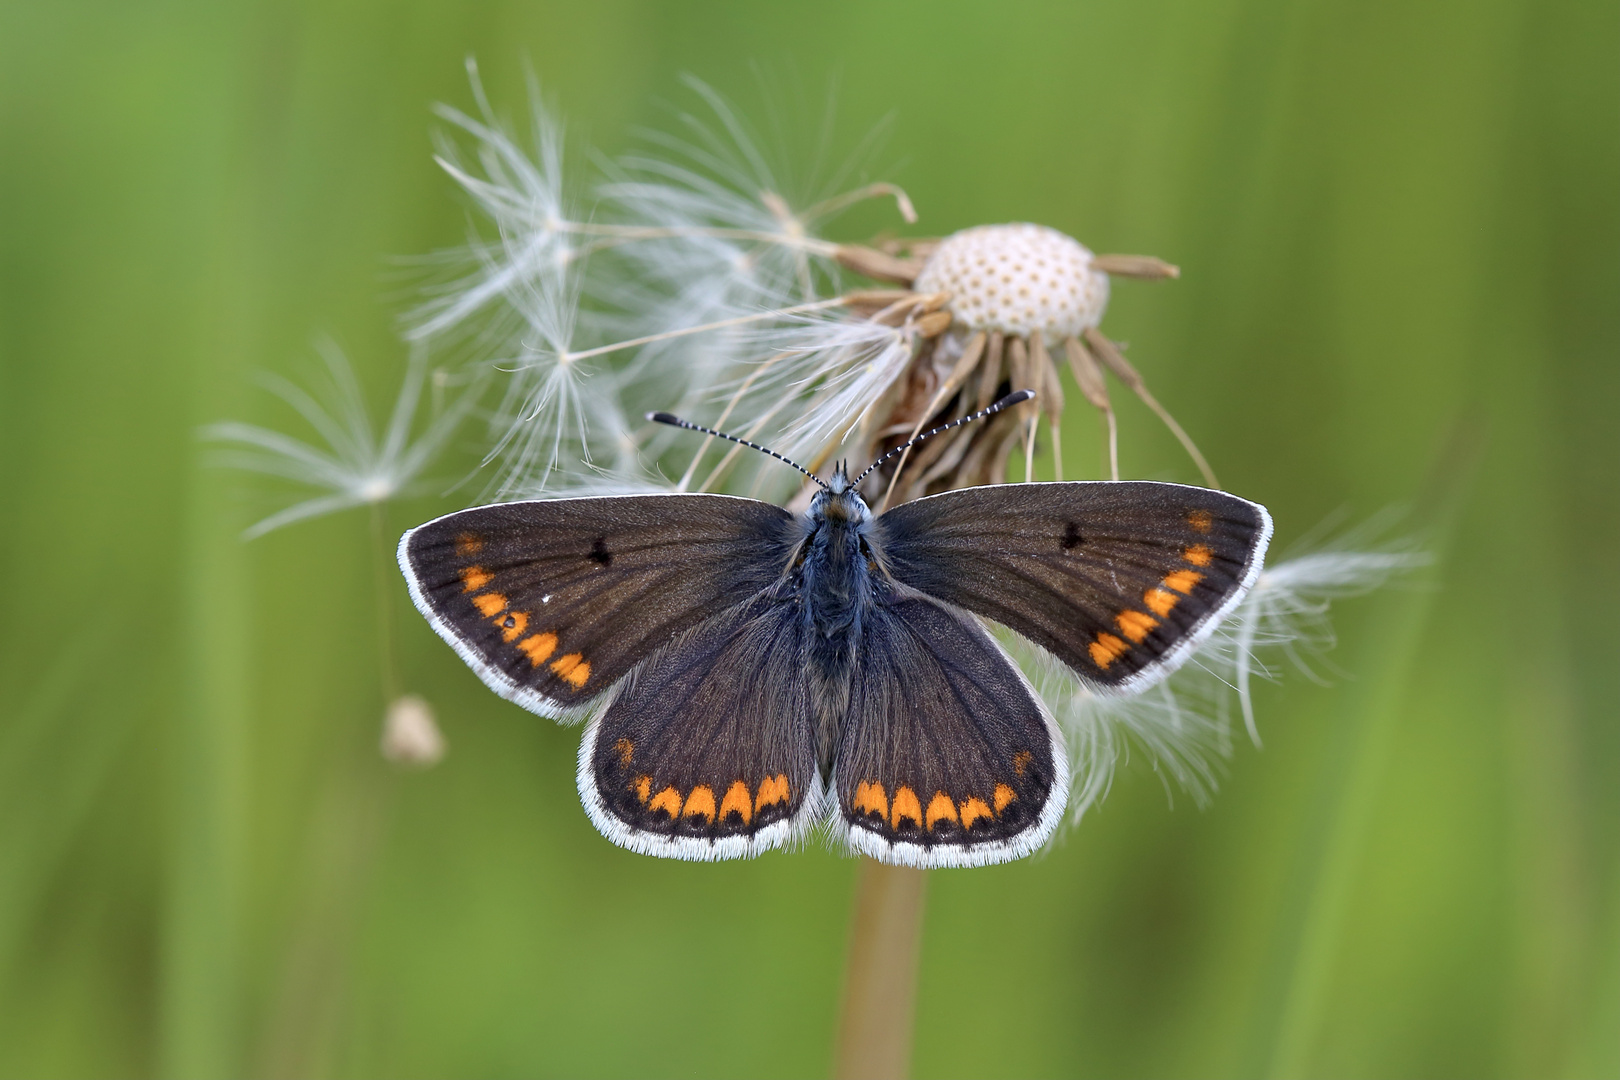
<point x="834" y="574"/>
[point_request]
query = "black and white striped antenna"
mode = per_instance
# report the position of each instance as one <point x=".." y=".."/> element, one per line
<point x="674" y="421"/>
<point x="1017" y="397"/>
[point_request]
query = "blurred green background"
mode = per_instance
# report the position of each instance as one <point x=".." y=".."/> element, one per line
<point x="1399" y="227"/>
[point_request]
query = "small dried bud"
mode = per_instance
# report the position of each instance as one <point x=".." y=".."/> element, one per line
<point x="876" y="265"/>
<point x="410" y="737"/>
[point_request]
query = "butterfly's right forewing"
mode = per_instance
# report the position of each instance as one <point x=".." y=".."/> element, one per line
<point x="553" y="602"/>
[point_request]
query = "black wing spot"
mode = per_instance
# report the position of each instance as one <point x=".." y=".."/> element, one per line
<point x="600" y="554"/>
<point x="1071" y="536"/>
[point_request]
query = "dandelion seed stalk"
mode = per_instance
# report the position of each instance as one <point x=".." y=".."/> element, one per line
<point x="382" y="578"/>
<point x="875" y="1021"/>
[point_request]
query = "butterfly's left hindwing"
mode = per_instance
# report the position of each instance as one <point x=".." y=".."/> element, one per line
<point x="553" y="602"/>
<point x="707" y="752"/>
<point x="947" y="757"/>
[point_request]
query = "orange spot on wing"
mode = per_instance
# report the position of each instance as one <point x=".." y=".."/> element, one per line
<point x="870" y="798"/>
<point x="1183" y="580"/>
<point x="474" y="578"/>
<point x="513" y="625"/>
<point x="940" y="808"/>
<point x="737" y="799"/>
<point x="573" y="669"/>
<point x="1004" y="795"/>
<point x="1106" y="649"/>
<point x="1199" y="555"/>
<point x="1021" y="761"/>
<point x="668" y="800"/>
<point x="906" y="805"/>
<point x="973" y="810"/>
<point x="539" y="647"/>
<point x="468" y="545"/>
<point x="490" y="604"/>
<point x="625" y="749"/>
<point x="1160" y="602"/>
<point x="1202" y="520"/>
<point x="772" y="790"/>
<point x="643" y="787"/>
<point x="700" y="803"/>
<point x="1135" y="624"/>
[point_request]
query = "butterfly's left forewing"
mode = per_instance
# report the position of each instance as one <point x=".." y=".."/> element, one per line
<point x="553" y="602"/>
<point x="1119" y="580"/>
<point x="947" y="757"/>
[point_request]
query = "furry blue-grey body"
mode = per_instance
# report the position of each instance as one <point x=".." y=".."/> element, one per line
<point x="834" y="581"/>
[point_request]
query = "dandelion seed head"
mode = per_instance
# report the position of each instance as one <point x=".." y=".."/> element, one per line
<point x="375" y="490"/>
<point x="1019" y="279"/>
<point x="357" y="465"/>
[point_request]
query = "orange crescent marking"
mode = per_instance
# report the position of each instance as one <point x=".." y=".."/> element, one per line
<point x="973" y="810"/>
<point x="1004" y="795"/>
<point x="490" y="604"/>
<point x="539" y="647"/>
<point x="1202" y="520"/>
<point x="906" y="805"/>
<point x="643" y="787"/>
<point x="700" y="803"/>
<point x="668" y="800"/>
<point x="474" y="578"/>
<point x="1183" y="580"/>
<point x="738" y="799"/>
<point x="1135" y="625"/>
<point x="1021" y="761"/>
<point x="573" y="669"/>
<point x="520" y="623"/>
<point x="1106" y="649"/>
<point x="468" y="545"/>
<point x="1160" y="602"/>
<point x="625" y="749"/>
<point x="772" y="790"/>
<point x="870" y="798"/>
<point x="1199" y="555"/>
<point x="940" y="808"/>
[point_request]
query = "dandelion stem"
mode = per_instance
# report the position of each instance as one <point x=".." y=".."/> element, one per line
<point x="382" y="564"/>
<point x="776" y="313"/>
<point x="880" y="982"/>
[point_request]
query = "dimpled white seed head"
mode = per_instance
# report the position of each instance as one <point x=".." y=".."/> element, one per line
<point x="1018" y="279"/>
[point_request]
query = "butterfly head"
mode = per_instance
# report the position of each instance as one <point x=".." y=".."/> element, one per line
<point x="838" y="500"/>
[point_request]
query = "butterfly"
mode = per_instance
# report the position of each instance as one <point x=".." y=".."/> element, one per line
<point x="749" y="675"/>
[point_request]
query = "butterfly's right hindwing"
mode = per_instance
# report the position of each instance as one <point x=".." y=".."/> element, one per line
<point x="947" y="757"/>
<point x="553" y="602"/>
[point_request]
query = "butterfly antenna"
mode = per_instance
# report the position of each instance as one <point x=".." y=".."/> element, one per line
<point x="1007" y="402"/>
<point x="674" y="421"/>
